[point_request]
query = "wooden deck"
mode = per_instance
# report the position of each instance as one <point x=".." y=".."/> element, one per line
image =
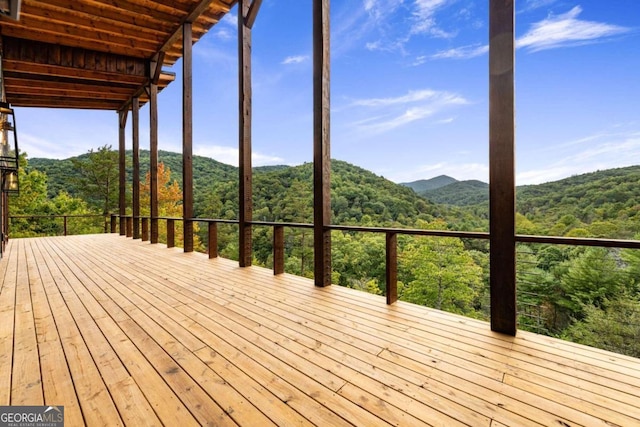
<point x="122" y="332"/>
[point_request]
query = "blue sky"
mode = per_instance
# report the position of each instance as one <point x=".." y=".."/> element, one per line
<point x="409" y="90"/>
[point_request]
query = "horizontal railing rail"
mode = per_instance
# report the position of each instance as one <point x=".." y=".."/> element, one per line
<point x="391" y="249"/>
<point x="65" y="218"/>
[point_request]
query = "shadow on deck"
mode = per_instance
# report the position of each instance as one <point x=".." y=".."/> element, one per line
<point x="123" y="332"/>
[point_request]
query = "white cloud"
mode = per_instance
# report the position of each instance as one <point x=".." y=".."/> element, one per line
<point x="227" y="27"/>
<point x="52" y="148"/>
<point x="412" y="96"/>
<point x="297" y="59"/>
<point x="424" y="21"/>
<point x="394" y="112"/>
<point x="463" y="52"/>
<point x="588" y="154"/>
<point x="230" y="156"/>
<point x="566" y="30"/>
<point x="563" y="30"/>
<point x="536" y="4"/>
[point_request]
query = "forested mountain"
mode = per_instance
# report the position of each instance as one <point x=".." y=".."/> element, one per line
<point x="459" y="193"/>
<point x="423" y="185"/>
<point x="589" y="295"/>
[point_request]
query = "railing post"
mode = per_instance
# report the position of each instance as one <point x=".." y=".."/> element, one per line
<point x="129" y="226"/>
<point x="278" y="249"/>
<point x="213" y="240"/>
<point x="392" y="267"/>
<point x="145" y="229"/>
<point x="114" y="222"/>
<point x="171" y="233"/>
<point x="64" y="219"/>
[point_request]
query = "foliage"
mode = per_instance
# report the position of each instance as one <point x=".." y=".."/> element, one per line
<point x="33" y="200"/>
<point x="440" y="273"/>
<point x="98" y="178"/>
<point x="169" y="204"/>
<point x="573" y="292"/>
<point x="614" y="326"/>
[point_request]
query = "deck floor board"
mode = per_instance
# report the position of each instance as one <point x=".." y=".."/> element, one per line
<point x="120" y="331"/>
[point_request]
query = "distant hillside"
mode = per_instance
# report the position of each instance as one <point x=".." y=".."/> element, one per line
<point x="423" y="185"/>
<point x="205" y="170"/>
<point x="280" y="192"/>
<point x="459" y="193"/>
<point x="605" y="195"/>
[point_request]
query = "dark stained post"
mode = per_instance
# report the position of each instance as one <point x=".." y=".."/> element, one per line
<point x="502" y="257"/>
<point x="392" y="267"/>
<point x="122" y="122"/>
<point x="135" y="116"/>
<point x="213" y="240"/>
<point x="114" y="221"/>
<point x="245" y="213"/>
<point x="171" y="233"/>
<point x="64" y="226"/>
<point x="278" y="249"/>
<point x="187" y="136"/>
<point x="129" y="226"/>
<point x="153" y="160"/>
<point x="145" y="229"/>
<point x="321" y="144"/>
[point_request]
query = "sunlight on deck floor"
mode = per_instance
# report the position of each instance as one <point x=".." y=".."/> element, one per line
<point x="123" y="332"/>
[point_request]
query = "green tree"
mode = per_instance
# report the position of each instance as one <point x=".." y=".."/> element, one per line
<point x="169" y="205"/>
<point x="439" y="272"/>
<point x="591" y="278"/>
<point x="33" y="200"/>
<point x="98" y="177"/>
<point x="614" y="326"/>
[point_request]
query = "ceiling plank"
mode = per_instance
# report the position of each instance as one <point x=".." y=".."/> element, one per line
<point x="58" y="71"/>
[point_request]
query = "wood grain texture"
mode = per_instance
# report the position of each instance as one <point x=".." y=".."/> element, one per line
<point x="502" y="258"/>
<point x="321" y="144"/>
<point x="111" y="42"/>
<point x="245" y="185"/>
<point x="127" y="333"/>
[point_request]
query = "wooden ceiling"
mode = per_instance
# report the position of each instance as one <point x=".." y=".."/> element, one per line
<point x="96" y="54"/>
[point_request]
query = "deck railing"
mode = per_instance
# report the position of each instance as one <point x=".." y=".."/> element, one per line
<point x="55" y="230"/>
<point x="391" y="243"/>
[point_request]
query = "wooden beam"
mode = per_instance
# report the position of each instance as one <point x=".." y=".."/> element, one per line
<point x="253" y="12"/>
<point x="72" y="34"/>
<point x="502" y="257"/>
<point x="156" y="67"/>
<point x="62" y="40"/>
<point x="135" y="128"/>
<point x="321" y="144"/>
<point x="245" y="185"/>
<point x="77" y="74"/>
<point x="195" y="13"/>
<point x="108" y="12"/>
<point x="187" y="137"/>
<point x="153" y="160"/>
<point x="122" y="194"/>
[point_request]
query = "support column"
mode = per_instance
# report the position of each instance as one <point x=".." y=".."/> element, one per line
<point x="502" y="257"/>
<point x="122" y="199"/>
<point x="321" y="144"/>
<point x="153" y="159"/>
<point x="244" y="143"/>
<point x="187" y="136"/>
<point x="135" y="116"/>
